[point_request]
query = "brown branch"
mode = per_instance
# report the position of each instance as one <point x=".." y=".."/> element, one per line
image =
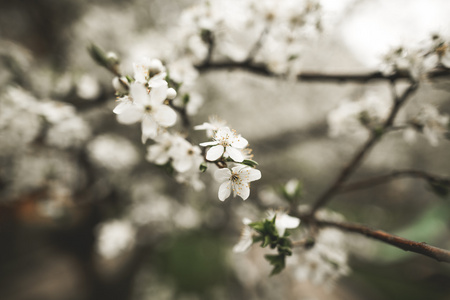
<point x="359" y="156"/>
<point x="438" y="254"/>
<point x="261" y="69"/>
<point x="367" y="183"/>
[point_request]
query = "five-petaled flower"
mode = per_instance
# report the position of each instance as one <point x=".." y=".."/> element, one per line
<point x="283" y="221"/>
<point x="228" y="142"/>
<point x="237" y="180"/>
<point x="148" y="108"/>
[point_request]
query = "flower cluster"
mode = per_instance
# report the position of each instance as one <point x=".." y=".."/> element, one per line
<point x="270" y="32"/>
<point x="430" y="122"/>
<point x="417" y="61"/>
<point x="229" y="146"/>
<point x="355" y="117"/>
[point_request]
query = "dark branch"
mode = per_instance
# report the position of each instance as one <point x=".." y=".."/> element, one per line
<point x="359" y="156"/>
<point x="261" y="69"/>
<point x="438" y="254"/>
<point x="367" y="183"/>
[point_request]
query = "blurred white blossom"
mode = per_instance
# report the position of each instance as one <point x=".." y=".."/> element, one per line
<point x="115" y="237"/>
<point x="112" y="152"/>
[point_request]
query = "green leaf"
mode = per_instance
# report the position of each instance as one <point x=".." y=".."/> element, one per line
<point x="203" y="167"/>
<point x="277" y="261"/>
<point x="250" y="163"/>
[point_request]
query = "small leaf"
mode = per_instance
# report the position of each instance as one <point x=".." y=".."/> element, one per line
<point x="203" y="167"/>
<point x="250" y="163"/>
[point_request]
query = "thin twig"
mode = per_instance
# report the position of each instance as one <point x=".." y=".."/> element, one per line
<point x="367" y="183"/>
<point x="438" y="254"/>
<point x="254" y="50"/>
<point x="358" y="157"/>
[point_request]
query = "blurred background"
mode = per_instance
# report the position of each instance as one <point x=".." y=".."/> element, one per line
<point x="83" y="215"/>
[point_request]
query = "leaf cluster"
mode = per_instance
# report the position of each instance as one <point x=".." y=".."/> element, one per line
<point x="268" y="236"/>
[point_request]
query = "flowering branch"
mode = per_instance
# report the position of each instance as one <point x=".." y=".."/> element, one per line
<point x="359" y="156"/>
<point x="439" y="254"/>
<point x="367" y="183"/>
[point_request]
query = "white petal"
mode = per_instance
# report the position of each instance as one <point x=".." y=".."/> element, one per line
<point x="235" y="154"/>
<point x="157" y="154"/>
<point x="214" y="153"/>
<point x="158" y="92"/>
<point x="182" y="165"/>
<point x="245" y="242"/>
<point x="222" y="175"/>
<point x="139" y="94"/>
<point x="149" y="129"/>
<point x="209" y="143"/>
<point x="239" y="142"/>
<point x="131" y="115"/>
<point x="224" y="190"/>
<point x="243" y="191"/>
<point x="253" y="175"/>
<point x="287" y="221"/>
<point x="165" y="116"/>
<point x="122" y="106"/>
<point x="242" y="246"/>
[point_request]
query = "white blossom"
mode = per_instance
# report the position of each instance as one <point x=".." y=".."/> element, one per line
<point x="237" y="180"/>
<point x="354" y="117"/>
<point x="115" y="237"/>
<point x="147" y="68"/>
<point x="283" y="221"/>
<point x="213" y="125"/>
<point x="228" y="142"/>
<point x="246" y="239"/>
<point x="326" y="262"/>
<point x="149" y="108"/>
<point x="434" y="125"/>
<point x="88" y="87"/>
<point x="112" y="152"/>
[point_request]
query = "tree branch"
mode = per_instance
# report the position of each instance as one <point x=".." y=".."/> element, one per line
<point x="367" y="183"/>
<point x="359" y="156"/>
<point x="438" y="254"/>
<point x="261" y="69"/>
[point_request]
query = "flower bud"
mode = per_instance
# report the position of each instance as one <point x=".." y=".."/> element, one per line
<point x="155" y="66"/>
<point x="171" y="93"/>
<point x="120" y="84"/>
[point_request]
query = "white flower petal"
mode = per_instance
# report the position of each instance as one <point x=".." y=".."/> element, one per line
<point x="182" y="165"/>
<point x="222" y="175"/>
<point x="253" y="174"/>
<point x="224" y="190"/>
<point x="245" y="242"/>
<point x="287" y="221"/>
<point x="235" y="154"/>
<point x="243" y="190"/>
<point x="130" y="116"/>
<point x="158" y="92"/>
<point x="209" y="143"/>
<point x="165" y="116"/>
<point x="149" y="129"/>
<point x="214" y="153"/>
<point x="139" y="94"/>
<point x="122" y="106"/>
<point x="239" y="142"/>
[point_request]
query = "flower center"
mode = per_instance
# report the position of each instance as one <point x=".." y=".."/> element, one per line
<point x="148" y="108"/>
<point x="235" y="177"/>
